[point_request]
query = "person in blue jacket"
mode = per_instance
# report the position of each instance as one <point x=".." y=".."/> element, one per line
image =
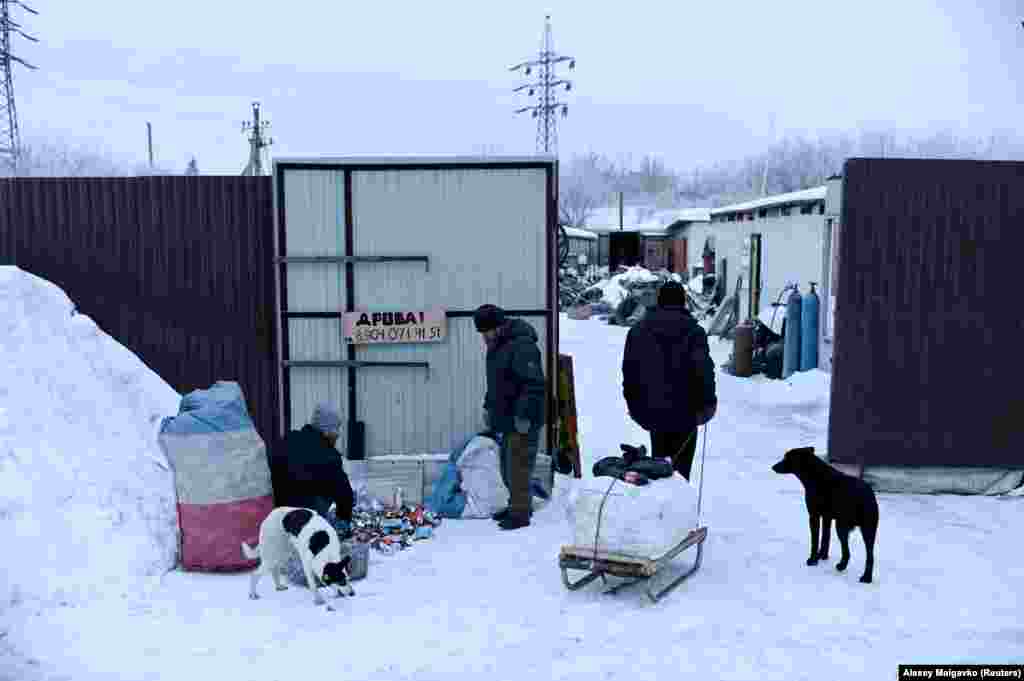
<point x="514" y="404"/>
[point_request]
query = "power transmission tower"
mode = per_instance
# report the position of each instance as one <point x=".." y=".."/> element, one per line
<point x="546" y="107"/>
<point x="257" y="142"/>
<point x="10" y="140"/>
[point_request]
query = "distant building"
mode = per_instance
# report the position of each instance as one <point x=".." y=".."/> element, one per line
<point x="776" y="239"/>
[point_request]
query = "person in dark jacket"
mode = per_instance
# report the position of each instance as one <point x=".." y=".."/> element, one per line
<point x="514" y="404"/>
<point x="668" y="377"/>
<point x="308" y="471"/>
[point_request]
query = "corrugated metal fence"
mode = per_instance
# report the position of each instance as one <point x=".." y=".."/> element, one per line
<point x="177" y="269"/>
<point x="928" y="327"/>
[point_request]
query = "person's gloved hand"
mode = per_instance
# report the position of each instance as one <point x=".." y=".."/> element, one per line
<point x="522" y="426"/>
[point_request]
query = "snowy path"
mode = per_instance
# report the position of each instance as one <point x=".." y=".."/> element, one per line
<point x="478" y="603"/>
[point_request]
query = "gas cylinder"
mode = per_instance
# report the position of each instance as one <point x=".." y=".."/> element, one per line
<point x="743" y="350"/>
<point x="809" y="331"/>
<point x="791" y="353"/>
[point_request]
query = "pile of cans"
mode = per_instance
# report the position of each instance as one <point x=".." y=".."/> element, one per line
<point x="395" y="529"/>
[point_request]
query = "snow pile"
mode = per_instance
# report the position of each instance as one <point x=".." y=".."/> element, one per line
<point x="802" y="390"/>
<point x="86" y="496"/>
<point x="616" y="289"/>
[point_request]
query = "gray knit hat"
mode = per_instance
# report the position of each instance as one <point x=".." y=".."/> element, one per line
<point x="326" y="419"/>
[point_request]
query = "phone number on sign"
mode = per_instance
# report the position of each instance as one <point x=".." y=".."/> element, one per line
<point x="396" y="334"/>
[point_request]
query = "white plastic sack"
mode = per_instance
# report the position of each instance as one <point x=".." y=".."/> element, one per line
<point x="480" y="469"/>
<point x="644" y="521"/>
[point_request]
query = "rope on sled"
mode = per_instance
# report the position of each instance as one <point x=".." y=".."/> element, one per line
<point x="700" y="489"/>
<point x="600" y="514"/>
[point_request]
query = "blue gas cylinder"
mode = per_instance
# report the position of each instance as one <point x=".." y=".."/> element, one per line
<point x="791" y="348"/>
<point x="809" y="331"/>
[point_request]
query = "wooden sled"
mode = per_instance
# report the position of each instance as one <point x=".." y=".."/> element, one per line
<point x="633" y="568"/>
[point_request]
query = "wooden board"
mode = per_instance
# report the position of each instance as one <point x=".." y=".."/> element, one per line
<point x="568" y="440"/>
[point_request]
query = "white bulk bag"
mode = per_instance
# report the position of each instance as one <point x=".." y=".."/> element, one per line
<point x="480" y="469"/>
<point x="645" y="521"/>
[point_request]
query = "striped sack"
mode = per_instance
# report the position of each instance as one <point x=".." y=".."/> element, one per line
<point x="221" y="477"/>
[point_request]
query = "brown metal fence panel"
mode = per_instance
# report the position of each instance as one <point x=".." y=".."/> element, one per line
<point x="926" y="369"/>
<point x="177" y="269"/>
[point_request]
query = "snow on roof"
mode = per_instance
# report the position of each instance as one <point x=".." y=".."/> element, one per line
<point x="813" y="194"/>
<point x="577" y="233"/>
<point x="688" y="215"/>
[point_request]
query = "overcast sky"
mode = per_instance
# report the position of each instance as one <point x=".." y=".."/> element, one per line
<point x="691" y="81"/>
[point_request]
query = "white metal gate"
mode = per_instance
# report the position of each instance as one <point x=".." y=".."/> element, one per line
<point x="384" y="235"/>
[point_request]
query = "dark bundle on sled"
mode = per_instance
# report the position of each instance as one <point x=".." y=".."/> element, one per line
<point x="633" y="466"/>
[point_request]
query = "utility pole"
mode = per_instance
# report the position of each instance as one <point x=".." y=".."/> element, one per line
<point x="546" y="106"/>
<point x="767" y="158"/>
<point x="10" y="140"/>
<point x="149" y="142"/>
<point x="257" y="142"/>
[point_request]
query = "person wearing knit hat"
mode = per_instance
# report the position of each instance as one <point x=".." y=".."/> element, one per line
<point x="308" y="472"/>
<point x="668" y="377"/>
<point x="513" y="405"/>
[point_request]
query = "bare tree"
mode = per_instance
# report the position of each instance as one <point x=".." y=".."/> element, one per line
<point x="583" y="187"/>
<point x="49" y="159"/>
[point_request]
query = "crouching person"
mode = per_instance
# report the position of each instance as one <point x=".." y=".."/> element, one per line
<point x="514" y="404"/>
<point x="309" y="472"/>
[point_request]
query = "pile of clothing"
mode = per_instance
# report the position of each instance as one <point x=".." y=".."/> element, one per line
<point x="634" y="466"/>
<point x="393" y="530"/>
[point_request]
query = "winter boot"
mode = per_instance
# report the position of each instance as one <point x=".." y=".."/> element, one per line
<point x="500" y="515"/>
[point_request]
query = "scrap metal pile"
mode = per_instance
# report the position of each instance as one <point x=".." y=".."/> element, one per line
<point x="393" y="530"/>
<point x="571" y="287"/>
<point x="623" y="298"/>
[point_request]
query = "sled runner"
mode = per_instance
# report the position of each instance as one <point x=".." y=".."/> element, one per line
<point x="635" y="569"/>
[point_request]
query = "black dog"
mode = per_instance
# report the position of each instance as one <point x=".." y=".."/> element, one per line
<point x="832" y="495"/>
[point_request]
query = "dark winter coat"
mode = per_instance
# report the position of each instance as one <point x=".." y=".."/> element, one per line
<point x="515" y="378"/>
<point x="668" y="376"/>
<point x="307" y="471"/>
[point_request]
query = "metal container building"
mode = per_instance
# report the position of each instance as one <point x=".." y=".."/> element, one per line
<point x="408" y="235"/>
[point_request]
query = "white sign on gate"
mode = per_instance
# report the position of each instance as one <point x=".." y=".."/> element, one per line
<point x="364" y="327"/>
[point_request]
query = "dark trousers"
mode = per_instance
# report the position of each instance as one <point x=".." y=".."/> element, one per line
<point x="676" y="447"/>
<point x="519" y="485"/>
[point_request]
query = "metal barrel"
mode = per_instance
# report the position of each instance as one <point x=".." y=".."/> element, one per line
<point x="743" y="350"/>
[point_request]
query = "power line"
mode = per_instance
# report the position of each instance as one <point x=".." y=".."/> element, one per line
<point x="547" y="106"/>
<point x="10" y="140"/>
<point x="257" y="142"/>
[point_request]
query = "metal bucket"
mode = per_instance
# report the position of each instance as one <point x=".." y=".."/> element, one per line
<point x="360" y="565"/>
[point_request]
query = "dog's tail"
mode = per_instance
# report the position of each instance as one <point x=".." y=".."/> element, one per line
<point x="249" y="552"/>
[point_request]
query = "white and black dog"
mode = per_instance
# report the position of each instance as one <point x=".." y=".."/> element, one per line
<point x="303" y="530"/>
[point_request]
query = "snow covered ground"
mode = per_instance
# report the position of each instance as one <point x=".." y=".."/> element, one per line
<point x="477" y="603"/>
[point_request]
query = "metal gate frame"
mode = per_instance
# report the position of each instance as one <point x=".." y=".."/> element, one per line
<point x="348" y="166"/>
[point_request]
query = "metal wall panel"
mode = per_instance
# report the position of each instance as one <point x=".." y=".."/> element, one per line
<point x="927" y="332"/>
<point x="177" y="269"/>
<point x="453" y="217"/>
<point x="315" y="210"/>
<point x="484" y="230"/>
<point x="308" y="386"/>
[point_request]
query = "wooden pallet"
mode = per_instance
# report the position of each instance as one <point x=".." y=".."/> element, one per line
<point x="636" y="569"/>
